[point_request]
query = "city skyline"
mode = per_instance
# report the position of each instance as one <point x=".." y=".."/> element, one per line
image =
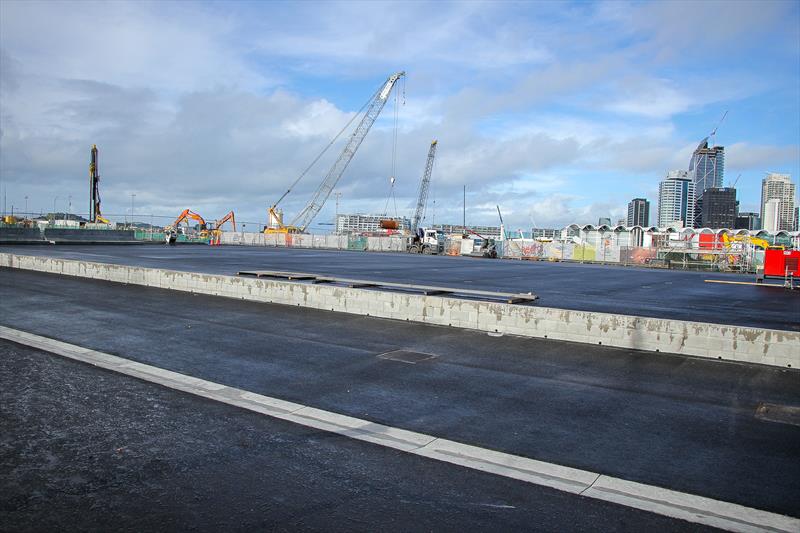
<point x="557" y="112"/>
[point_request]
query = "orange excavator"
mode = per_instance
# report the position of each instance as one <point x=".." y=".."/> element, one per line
<point x="171" y="232"/>
<point x="216" y="231"/>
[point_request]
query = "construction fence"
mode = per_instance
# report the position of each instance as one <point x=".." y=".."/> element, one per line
<point x="742" y="259"/>
<point x="738" y="259"/>
<point x="330" y="242"/>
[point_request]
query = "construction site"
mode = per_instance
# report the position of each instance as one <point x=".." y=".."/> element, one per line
<point x="192" y="375"/>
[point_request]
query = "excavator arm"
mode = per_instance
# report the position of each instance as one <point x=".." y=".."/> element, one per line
<point x="187" y="214"/>
<point x="219" y="223"/>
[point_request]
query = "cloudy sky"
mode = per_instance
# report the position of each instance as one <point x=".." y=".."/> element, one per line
<point x="557" y="111"/>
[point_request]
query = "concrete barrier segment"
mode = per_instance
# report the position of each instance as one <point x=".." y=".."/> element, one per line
<point x="700" y="339"/>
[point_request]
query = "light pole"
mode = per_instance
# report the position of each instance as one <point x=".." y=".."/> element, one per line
<point x="336" y="220"/>
<point x="26" y="206"/>
<point x="133" y="195"/>
<point x="69" y="209"/>
<point x="54" y="209"/>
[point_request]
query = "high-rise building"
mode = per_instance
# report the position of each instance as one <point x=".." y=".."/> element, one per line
<point x="676" y="199"/>
<point x="748" y="221"/>
<point x="797" y="218"/>
<point x="771" y="218"/>
<point x="780" y="215"/>
<point x="638" y="212"/>
<point x="719" y="208"/>
<point x="707" y="170"/>
<point x="604" y="221"/>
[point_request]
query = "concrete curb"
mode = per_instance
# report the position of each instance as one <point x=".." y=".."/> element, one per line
<point x="716" y="341"/>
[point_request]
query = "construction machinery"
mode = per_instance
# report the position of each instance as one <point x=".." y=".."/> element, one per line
<point x="94" y="188"/>
<point x="424" y="186"/>
<point x="781" y="264"/>
<point x="424" y="240"/>
<point x="747" y="239"/>
<point x="215" y="231"/>
<point x="171" y="231"/>
<point x="487" y="248"/>
<point x="304" y="218"/>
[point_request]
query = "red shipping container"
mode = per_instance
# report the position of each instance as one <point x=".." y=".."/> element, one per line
<point x="708" y="240"/>
<point x="778" y="262"/>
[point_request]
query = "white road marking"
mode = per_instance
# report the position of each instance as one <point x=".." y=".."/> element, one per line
<point x="689" y="507"/>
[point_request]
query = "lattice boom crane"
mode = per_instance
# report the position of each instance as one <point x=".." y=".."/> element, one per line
<point x="424" y="186"/>
<point x="312" y="209"/>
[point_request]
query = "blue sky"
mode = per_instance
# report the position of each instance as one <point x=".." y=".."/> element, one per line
<point x="557" y="111"/>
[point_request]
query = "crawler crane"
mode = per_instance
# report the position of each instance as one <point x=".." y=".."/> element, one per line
<point x="303" y="219"/>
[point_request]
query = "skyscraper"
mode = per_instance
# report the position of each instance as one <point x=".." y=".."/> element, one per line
<point x="707" y="170"/>
<point x="676" y="199"/>
<point x="638" y="212"/>
<point x="719" y="208"/>
<point x="778" y="215"/>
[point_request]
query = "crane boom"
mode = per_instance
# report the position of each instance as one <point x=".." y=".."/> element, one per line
<point x="312" y="209"/>
<point x="424" y="185"/>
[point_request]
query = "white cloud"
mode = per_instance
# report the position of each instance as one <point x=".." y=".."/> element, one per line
<point x="556" y="110"/>
<point x="748" y="156"/>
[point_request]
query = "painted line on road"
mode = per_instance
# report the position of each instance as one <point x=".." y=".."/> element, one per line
<point x="753" y="283"/>
<point x="657" y="500"/>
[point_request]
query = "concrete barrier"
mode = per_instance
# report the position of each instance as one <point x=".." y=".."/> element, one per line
<point x="19" y="234"/>
<point x="717" y="341"/>
<point x="69" y="235"/>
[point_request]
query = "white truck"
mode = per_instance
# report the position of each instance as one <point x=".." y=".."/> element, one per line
<point x="425" y="241"/>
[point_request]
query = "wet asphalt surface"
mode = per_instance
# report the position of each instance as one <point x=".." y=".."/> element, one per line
<point x="677" y="422"/>
<point x="674" y="294"/>
<point x="84" y="449"/>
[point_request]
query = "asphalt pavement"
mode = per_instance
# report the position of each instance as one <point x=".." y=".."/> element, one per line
<point x="677" y="422"/>
<point x="83" y="449"/>
<point x="674" y="294"/>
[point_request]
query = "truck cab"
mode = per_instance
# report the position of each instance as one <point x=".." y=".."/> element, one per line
<point x="425" y="241"/>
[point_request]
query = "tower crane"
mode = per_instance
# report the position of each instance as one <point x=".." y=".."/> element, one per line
<point x="713" y="134"/>
<point x="304" y="218"/>
<point x="424" y="185"/>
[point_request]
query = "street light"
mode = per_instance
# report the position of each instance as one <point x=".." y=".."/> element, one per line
<point x="133" y="195"/>
<point x="54" y="209"/>
<point x="336" y="220"/>
<point x="26" y="206"/>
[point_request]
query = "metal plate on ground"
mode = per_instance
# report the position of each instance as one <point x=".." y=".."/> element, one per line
<point x="405" y="356"/>
<point x="782" y="414"/>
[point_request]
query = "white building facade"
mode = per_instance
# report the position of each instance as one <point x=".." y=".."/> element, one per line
<point x="781" y="213"/>
<point x="366" y="223"/>
<point x="676" y="199"/>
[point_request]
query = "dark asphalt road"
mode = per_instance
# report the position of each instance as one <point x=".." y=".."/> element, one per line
<point x="85" y="449"/>
<point x="624" y="290"/>
<point x="681" y="423"/>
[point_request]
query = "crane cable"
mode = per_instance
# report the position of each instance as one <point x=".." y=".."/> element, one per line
<point x="314" y="162"/>
<point x="394" y="150"/>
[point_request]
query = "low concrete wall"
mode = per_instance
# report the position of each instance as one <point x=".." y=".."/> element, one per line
<point x="753" y="345"/>
<point x="16" y="234"/>
<point x="61" y="235"/>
